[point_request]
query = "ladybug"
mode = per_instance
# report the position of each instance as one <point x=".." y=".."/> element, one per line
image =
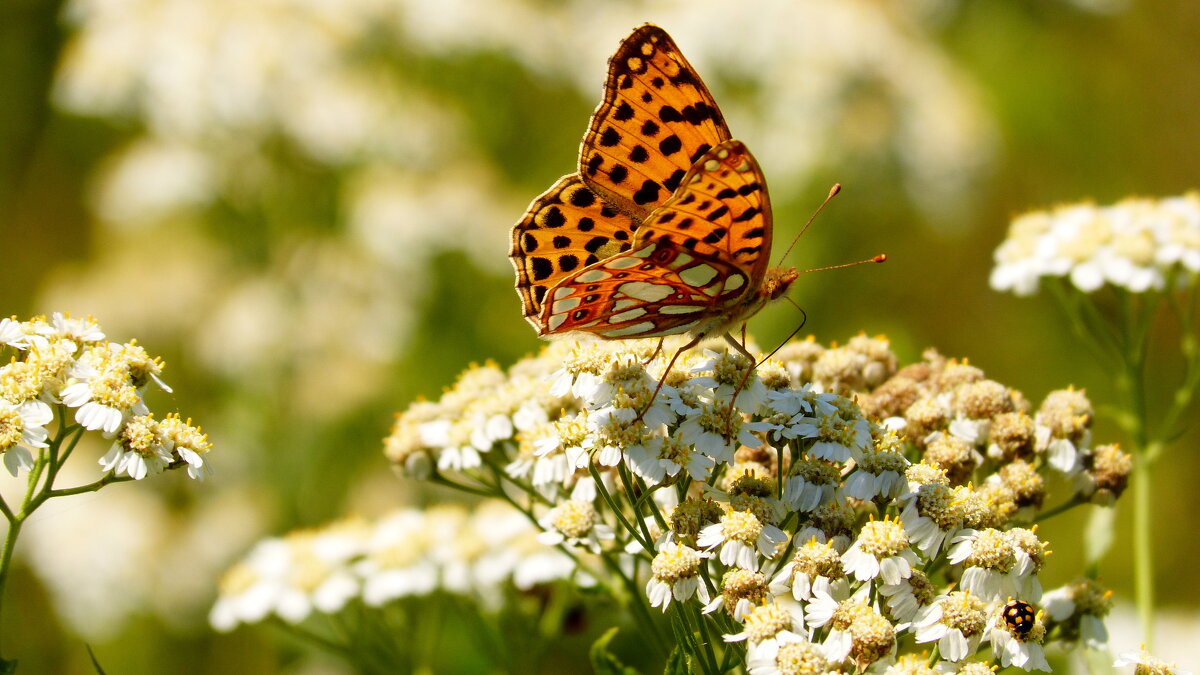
<point x="1019" y="616"/>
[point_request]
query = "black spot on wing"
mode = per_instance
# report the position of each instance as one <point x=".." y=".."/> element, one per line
<point x="623" y="112"/>
<point x="746" y="215"/>
<point x="594" y="164"/>
<point x="690" y="243"/>
<point x="562" y="241"/>
<point x="674" y="179"/>
<point x="609" y="137"/>
<point x="700" y="151"/>
<point x="568" y="262"/>
<point x="749" y="188"/>
<point x="648" y="193"/>
<point x="586" y="224"/>
<point x="718" y="212"/>
<point x="542" y="268"/>
<point x="668" y="113"/>
<point x="747" y="250"/>
<point x="670" y="145"/>
<point x="667" y="217"/>
<point x="595" y="243"/>
<point x="649" y="128"/>
<point x="695" y="114"/>
<point x="539" y="293"/>
<point x="554" y="217"/>
<point x="639" y="154"/>
<point x="582" y="198"/>
<point x="754" y="233"/>
<point x="727" y="193"/>
<point x="528" y="243"/>
<point x="618" y="174"/>
<point x="715" y="236"/>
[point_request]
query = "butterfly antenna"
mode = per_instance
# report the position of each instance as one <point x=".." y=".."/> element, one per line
<point x="837" y="187"/>
<point x="803" y="320"/>
<point x="882" y="257"/>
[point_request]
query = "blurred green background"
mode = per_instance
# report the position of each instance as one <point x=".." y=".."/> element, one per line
<point x="304" y="208"/>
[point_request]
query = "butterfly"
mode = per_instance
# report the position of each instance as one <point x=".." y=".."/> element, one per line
<point x="665" y="229"/>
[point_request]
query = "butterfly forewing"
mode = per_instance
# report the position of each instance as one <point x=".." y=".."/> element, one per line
<point x="566" y="229"/>
<point x="656" y="120"/>
<point x="721" y="212"/>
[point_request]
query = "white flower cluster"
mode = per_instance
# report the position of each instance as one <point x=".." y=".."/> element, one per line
<point x="406" y="553"/>
<point x="1135" y="244"/>
<point x="829" y="527"/>
<point x="66" y="362"/>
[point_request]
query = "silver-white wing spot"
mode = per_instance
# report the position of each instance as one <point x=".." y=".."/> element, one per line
<point x="626" y="316"/>
<point x="734" y="282"/>
<point x="679" y="309"/>
<point x="623" y="263"/>
<point x="625" y="303"/>
<point x="635" y="329"/>
<point x="555" y="321"/>
<point x="645" y="291"/>
<point x="565" y="305"/>
<point x="592" y="276"/>
<point x="698" y="276"/>
<point x="563" y="292"/>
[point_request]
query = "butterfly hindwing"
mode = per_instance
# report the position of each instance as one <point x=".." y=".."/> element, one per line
<point x="565" y="229"/>
<point x="653" y="290"/>
<point x="722" y="211"/>
<point x="656" y="120"/>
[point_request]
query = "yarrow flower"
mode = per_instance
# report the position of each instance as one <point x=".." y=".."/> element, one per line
<point x="881" y="550"/>
<point x="675" y="573"/>
<point x="66" y="362"/>
<point x="404" y="553"/>
<point x="1145" y="663"/>
<point x="1134" y="244"/>
<point x="846" y="518"/>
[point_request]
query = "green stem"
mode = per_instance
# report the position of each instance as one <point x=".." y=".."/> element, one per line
<point x="616" y="509"/>
<point x="641" y="611"/>
<point x="1061" y="508"/>
<point x="1143" y="556"/>
<point x="10" y="543"/>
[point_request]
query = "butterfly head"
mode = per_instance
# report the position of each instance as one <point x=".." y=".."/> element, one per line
<point x="777" y="282"/>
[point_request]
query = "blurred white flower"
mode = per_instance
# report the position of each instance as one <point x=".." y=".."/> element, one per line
<point x="1133" y="245"/>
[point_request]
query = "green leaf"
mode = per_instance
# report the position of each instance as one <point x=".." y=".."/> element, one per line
<point x="678" y="663"/>
<point x="603" y="661"/>
<point x="1098" y="537"/>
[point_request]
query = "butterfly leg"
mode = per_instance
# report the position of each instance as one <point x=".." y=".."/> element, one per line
<point x="662" y="380"/>
<point x="657" y="351"/>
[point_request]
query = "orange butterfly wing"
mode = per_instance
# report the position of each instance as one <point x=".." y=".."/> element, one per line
<point x="697" y="263"/>
<point x="565" y="229"/>
<point x="656" y="120"/>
